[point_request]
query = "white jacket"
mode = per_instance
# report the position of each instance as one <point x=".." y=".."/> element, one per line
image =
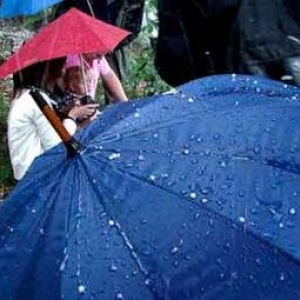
<point x="29" y="133"/>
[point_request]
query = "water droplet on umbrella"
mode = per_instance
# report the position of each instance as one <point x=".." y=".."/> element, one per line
<point x="187" y="257"/>
<point x="254" y="210"/>
<point x="111" y="222"/>
<point x="81" y="288"/>
<point x="227" y="246"/>
<point x="141" y="157"/>
<point x="207" y="152"/>
<point x="174" y="250"/>
<point x="267" y="236"/>
<point x="196" y="216"/>
<point x="195" y="161"/>
<point x="282" y="277"/>
<point x="193" y="195"/>
<point x="136" y="115"/>
<point x="223" y="164"/>
<point x="251" y="277"/>
<point x="217" y="136"/>
<point x="143" y="221"/>
<point x="204" y="200"/>
<point x="190" y="100"/>
<point x="242" y="219"/>
<point x="205" y="191"/>
<point x="229" y="177"/>
<point x="183" y="192"/>
<point x="33" y="211"/>
<point x="113" y="268"/>
<point x="119" y="296"/>
<point x="241" y="194"/>
<point x="292" y="211"/>
<point x="147" y="281"/>
<point x="182" y="177"/>
<point x="113" y="156"/>
<point x="281" y="225"/>
<point x="63" y="263"/>
<point x="152" y="177"/>
<point x="41" y="231"/>
<point x="186" y="151"/>
<point x="170" y="183"/>
<point x="256" y="150"/>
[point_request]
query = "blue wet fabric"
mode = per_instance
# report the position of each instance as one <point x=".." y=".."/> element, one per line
<point x="188" y="195"/>
<point x="14" y="8"/>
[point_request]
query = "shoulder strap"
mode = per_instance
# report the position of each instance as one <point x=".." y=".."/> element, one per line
<point x="71" y="144"/>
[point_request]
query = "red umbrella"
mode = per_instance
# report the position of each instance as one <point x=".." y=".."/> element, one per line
<point x="73" y="32"/>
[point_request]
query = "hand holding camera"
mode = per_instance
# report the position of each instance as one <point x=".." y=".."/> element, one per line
<point x="84" y="108"/>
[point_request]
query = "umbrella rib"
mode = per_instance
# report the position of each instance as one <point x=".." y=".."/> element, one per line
<point x="126" y="240"/>
<point x="145" y="180"/>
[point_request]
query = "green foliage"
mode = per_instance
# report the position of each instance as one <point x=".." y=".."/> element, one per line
<point x="6" y="177"/>
<point x="34" y="22"/>
<point x="143" y="79"/>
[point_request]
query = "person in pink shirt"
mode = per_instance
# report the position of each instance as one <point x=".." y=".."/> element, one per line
<point x="93" y="67"/>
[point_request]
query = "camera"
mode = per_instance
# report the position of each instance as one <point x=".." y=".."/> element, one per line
<point x="87" y="99"/>
<point x="66" y="104"/>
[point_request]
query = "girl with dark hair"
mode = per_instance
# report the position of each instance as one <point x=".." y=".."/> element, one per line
<point x="29" y="132"/>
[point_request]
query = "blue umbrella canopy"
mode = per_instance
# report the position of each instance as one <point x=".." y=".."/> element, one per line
<point x="188" y="195"/>
<point x="13" y="8"/>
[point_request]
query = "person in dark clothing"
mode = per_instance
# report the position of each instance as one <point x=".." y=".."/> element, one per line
<point x="193" y="38"/>
<point x="269" y="39"/>
<point x="203" y="37"/>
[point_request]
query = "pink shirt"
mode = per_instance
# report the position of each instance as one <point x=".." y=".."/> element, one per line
<point x="99" y="67"/>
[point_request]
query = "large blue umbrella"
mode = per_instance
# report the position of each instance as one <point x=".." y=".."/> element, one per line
<point x="13" y="8"/>
<point x="188" y="195"/>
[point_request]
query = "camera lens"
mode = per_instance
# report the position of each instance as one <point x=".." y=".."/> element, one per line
<point x="87" y="99"/>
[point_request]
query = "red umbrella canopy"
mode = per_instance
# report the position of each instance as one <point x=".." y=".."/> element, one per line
<point x="74" y="32"/>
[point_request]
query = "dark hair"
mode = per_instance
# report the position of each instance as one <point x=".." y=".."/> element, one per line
<point x="34" y="75"/>
<point x="30" y="76"/>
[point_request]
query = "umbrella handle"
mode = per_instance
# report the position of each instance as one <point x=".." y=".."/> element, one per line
<point x="71" y="144"/>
